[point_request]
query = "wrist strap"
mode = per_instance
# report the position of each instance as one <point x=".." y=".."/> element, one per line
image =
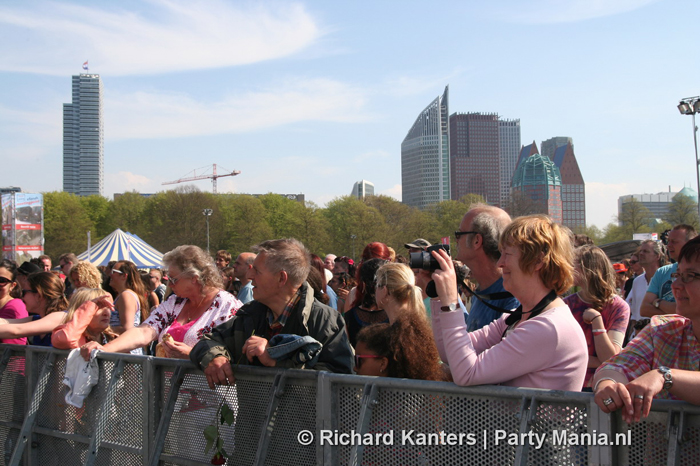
<point x="598" y="331"/>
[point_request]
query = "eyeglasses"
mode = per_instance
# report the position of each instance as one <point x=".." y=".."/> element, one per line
<point x="461" y="233"/>
<point x="633" y="262"/>
<point x="5" y="281"/>
<point x="360" y="357"/>
<point x="28" y="291"/>
<point x="686" y="277"/>
<point x="174" y="280"/>
<point x="117" y="271"/>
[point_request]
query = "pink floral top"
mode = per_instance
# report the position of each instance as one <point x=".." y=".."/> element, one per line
<point x="223" y="307"/>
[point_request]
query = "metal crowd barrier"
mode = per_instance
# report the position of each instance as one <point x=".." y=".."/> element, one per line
<point x="152" y="411"/>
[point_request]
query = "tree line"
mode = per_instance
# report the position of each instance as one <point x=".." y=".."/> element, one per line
<point x="343" y="227"/>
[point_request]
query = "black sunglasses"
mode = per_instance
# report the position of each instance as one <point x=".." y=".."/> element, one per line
<point x="5" y="281"/>
<point x="461" y="233"/>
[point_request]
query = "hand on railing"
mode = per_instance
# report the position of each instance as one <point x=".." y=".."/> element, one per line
<point x="219" y="372"/>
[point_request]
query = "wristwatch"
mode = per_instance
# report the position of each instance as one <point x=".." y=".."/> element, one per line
<point x="450" y="307"/>
<point x="657" y="301"/>
<point x="668" y="379"/>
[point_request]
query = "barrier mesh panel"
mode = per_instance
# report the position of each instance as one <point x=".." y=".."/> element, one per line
<point x="551" y="420"/>
<point x="649" y="441"/>
<point x="348" y="400"/>
<point x="296" y="412"/>
<point x="690" y="448"/>
<point x="54" y="451"/>
<point x="124" y="424"/>
<point x="195" y="409"/>
<point x="420" y="424"/>
<point x="13" y="389"/>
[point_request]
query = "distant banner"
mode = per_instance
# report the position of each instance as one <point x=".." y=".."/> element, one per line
<point x="22" y="226"/>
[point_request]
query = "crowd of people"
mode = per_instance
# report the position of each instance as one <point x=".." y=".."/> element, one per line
<point x="525" y="303"/>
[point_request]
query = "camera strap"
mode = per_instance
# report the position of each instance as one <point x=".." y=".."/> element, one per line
<point x="491" y="297"/>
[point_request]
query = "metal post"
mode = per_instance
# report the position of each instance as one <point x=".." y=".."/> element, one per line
<point x="697" y="161"/>
<point x="207" y="213"/>
<point x="352" y="237"/>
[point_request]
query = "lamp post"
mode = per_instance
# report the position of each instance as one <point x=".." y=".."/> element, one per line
<point x="353" y="237"/>
<point x="207" y="213"/>
<point x="691" y="106"/>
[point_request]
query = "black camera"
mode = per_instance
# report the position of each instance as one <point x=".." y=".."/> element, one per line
<point x="424" y="260"/>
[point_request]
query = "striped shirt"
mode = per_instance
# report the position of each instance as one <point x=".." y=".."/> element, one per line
<point x="667" y="341"/>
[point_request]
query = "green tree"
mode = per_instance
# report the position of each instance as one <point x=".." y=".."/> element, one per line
<point x="683" y="209"/>
<point x="66" y="224"/>
<point x="126" y="212"/>
<point x="613" y="232"/>
<point x="175" y="218"/>
<point x="352" y="225"/>
<point x="403" y="223"/>
<point x="98" y="209"/>
<point x="634" y="217"/>
<point x="240" y="224"/>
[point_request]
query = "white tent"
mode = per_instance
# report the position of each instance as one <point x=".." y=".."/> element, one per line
<point x="119" y="245"/>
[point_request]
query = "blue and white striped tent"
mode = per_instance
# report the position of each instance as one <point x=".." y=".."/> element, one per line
<point x="119" y="245"/>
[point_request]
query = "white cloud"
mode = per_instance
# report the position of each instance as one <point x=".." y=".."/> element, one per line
<point x="124" y="181"/>
<point x="173" y="35"/>
<point x="558" y="11"/>
<point x="143" y="115"/>
<point x="601" y="202"/>
<point x="394" y="192"/>
<point x="411" y="85"/>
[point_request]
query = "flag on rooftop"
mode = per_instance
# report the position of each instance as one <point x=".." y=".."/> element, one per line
<point x="85" y="66"/>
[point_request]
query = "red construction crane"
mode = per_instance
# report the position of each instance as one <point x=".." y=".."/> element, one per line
<point x="213" y="176"/>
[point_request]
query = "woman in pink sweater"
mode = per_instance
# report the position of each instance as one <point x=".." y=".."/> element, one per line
<point x="87" y="319"/>
<point x="538" y="345"/>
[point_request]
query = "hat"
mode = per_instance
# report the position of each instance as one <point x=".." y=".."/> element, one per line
<point x="419" y="243"/>
<point x="27" y="267"/>
<point x="620" y="268"/>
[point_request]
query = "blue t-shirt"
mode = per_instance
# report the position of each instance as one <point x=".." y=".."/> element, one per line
<point x="332" y="297"/>
<point x="660" y="283"/>
<point x="481" y="315"/>
<point x="245" y="294"/>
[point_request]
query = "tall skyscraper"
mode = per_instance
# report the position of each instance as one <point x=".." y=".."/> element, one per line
<point x="83" y="137"/>
<point x="509" y="149"/>
<point x="362" y="189"/>
<point x="550" y="145"/>
<point x="573" y="189"/>
<point x="425" y="156"/>
<point x="483" y="154"/>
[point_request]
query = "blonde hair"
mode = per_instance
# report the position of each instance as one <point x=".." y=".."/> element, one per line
<point x="598" y="275"/>
<point x="542" y="241"/>
<point x="400" y="283"/>
<point x="87" y="275"/>
<point x="80" y="297"/>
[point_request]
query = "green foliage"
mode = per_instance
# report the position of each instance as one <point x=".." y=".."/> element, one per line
<point x="172" y="218"/>
<point x="635" y="217"/>
<point x="66" y="223"/>
<point x="683" y="209"/>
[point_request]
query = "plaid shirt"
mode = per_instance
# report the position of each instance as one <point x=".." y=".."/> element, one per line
<point x="667" y="341"/>
<point x="277" y="325"/>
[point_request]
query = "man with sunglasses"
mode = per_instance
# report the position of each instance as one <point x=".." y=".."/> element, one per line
<point x="659" y="297"/>
<point x="477" y="244"/>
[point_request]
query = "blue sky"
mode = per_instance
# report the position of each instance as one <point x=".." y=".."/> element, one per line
<point x="309" y="97"/>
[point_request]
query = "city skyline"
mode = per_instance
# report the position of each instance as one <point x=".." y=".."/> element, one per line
<point x="289" y="91"/>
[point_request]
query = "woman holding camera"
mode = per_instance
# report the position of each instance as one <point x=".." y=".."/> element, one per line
<point x="540" y="344"/>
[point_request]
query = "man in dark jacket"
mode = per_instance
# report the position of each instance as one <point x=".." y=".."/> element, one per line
<point x="283" y="304"/>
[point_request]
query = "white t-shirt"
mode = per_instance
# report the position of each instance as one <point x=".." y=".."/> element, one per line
<point x="636" y="296"/>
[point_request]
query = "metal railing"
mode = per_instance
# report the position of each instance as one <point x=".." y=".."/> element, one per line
<point x="153" y="411"/>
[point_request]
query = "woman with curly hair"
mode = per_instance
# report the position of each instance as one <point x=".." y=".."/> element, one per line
<point x="405" y="346"/>
<point x="85" y="275"/>
<point x="197" y="305"/>
<point x="602" y="314"/>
